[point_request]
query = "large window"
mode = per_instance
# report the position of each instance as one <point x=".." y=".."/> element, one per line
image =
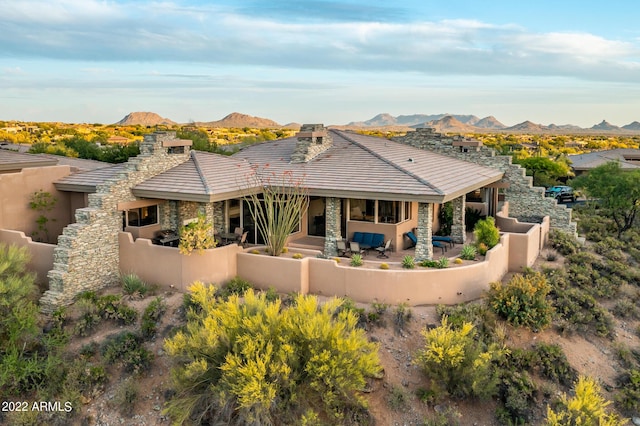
<point x="389" y="211"/>
<point x="142" y="216"/>
<point x="362" y="210"/>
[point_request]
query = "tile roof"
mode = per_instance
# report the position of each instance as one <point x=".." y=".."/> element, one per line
<point x="88" y="180"/>
<point x="12" y="160"/>
<point x="204" y="177"/>
<point x="370" y="167"/>
<point x="628" y="158"/>
<point x="80" y="164"/>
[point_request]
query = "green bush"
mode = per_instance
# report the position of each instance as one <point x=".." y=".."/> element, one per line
<point x="356" y="260"/>
<point x="408" y="262"/>
<point x="237" y="286"/>
<point x="457" y="363"/>
<point x="552" y="363"/>
<point x="486" y="232"/>
<point x="251" y="361"/>
<point x="468" y="252"/>
<point x="563" y="242"/>
<point x="522" y="301"/>
<point x="152" y="314"/>
<point x="628" y="397"/>
<point x="133" y="286"/>
<point x="587" y="407"/>
<point x="126" y="348"/>
<point x="401" y="316"/>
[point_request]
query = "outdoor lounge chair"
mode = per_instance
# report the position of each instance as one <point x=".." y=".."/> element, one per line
<point x="382" y="251"/>
<point x="443" y="239"/>
<point x="341" y="245"/>
<point x="354" y="247"/>
<point x="412" y="237"/>
<point x="439" y="245"/>
<point x="243" y="239"/>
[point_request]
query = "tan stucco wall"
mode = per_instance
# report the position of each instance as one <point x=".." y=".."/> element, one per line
<point x="284" y="274"/>
<point x="166" y="267"/>
<point x="15" y="193"/>
<point x="526" y="239"/>
<point x="41" y="254"/>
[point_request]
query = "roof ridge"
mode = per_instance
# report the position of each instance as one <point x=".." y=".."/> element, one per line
<point x="391" y="163"/>
<point x="203" y="178"/>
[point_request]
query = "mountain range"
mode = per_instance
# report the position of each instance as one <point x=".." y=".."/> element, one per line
<point x="449" y="123"/>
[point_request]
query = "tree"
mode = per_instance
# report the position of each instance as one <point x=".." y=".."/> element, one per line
<point x="545" y="172"/>
<point x="278" y="208"/>
<point x="197" y="235"/>
<point x="247" y="360"/>
<point x="617" y="192"/>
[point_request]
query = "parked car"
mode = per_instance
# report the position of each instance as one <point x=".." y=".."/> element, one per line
<point x="564" y="194"/>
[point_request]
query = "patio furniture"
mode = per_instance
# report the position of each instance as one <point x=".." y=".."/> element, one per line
<point x="243" y="239"/>
<point x="412" y="237"/>
<point x="354" y="247"/>
<point x="443" y="239"/>
<point x="166" y="237"/>
<point x="228" y="237"/>
<point x="382" y="251"/>
<point x="238" y="231"/>
<point x="343" y="251"/>
<point x="439" y="245"/>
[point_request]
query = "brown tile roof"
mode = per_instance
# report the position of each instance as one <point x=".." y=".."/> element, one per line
<point x="87" y="181"/>
<point x="204" y="177"/>
<point x="12" y="160"/>
<point x="369" y="167"/>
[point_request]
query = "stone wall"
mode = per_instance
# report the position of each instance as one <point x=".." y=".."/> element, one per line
<point x="312" y="140"/>
<point x="524" y="199"/>
<point x="87" y="256"/>
<point x="332" y="226"/>
<point x="424" y="247"/>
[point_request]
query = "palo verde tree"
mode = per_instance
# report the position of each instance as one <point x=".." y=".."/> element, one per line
<point x="617" y="192"/>
<point x="250" y="361"/>
<point x="278" y="208"/>
<point x="544" y="171"/>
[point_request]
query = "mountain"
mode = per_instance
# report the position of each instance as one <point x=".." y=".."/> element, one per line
<point x="450" y="124"/>
<point x="489" y="122"/>
<point x="235" y="119"/>
<point x="385" y="119"/>
<point x="527" y="126"/>
<point x="144" y="119"/>
<point x="604" y="125"/>
<point x="632" y="126"/>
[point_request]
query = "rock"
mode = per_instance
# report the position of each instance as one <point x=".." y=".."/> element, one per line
<point x="636" y="421"/>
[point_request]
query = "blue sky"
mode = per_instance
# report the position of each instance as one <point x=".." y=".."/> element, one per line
<point x="333" y="62"/>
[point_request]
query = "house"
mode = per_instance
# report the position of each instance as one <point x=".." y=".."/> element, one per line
<point x="356" y="183"/>
<point x="628" y="158"/>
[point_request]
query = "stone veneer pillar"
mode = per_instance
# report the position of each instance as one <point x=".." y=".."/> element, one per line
<point x="424" y="249"/>
<point x="332" y="226"/>
<point x="218" y="216"/>
<point x="87" y="256"/>
<point x="458" y="230"/>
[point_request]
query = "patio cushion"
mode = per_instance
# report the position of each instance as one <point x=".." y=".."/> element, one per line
<point x="357" y="237"/>
<point x="378" y="240"/>
<point x="367" y="238"/>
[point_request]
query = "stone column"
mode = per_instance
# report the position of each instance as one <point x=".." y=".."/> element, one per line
<point x="332" y="226"/>
<point x="424" y="249"/>
<point x="218" y="216"/>
<point x="458" y="231"/>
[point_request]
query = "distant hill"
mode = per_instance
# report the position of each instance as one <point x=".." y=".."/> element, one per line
<point x="235" y="119"/>
<point x="632" y="126"/>
<point x="144" y="119"/>
<point x="385" y="119"/>
<point x="449" y="124"/>
<point x="527" y="126"/>
<point x="605" y="125"/>
<point x="489" y="122"/>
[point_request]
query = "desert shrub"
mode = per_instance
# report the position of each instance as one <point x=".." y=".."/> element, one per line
<point x="401" y="316"/>
<point x="133" y="286"/>
<point x="479" y="315"/>
<point x="408" y="262"/>
<point x="486" y="232"/>
<point x="152" y="314"/>
<point x="457" y="261"/>
<point x="516" y="393"/>
<point x="626" y="308"/>
<point x="563" y="242"/>
<point x="552" y="363"/>
<point x="252" y="361"/>
<point x="384" y="265"/>
<point x="196" y="236"/>
<point x="468" y="252"/>
<point x="126" y="396"/>
<point x="482" y="249"/>
<point x="587" y="407"/>
<point x="551" y="255"/>
<point x="237" y="286"/>
<point x="457" y="363"/>
<point x="397" y="399"/>
<point x="356" y="260"/>
<point x="628" y="397"/>
<point x="126" y="349"/>
<point x="522" y="301"/>
<point x="443" y="262"/>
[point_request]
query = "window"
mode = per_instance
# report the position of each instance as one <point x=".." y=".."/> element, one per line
<point x="389" y="211"/>
<point x="142" y="216"/>
<point x="407" y="210"/>
<point x="362" y="210"/>
<point x="175" y="150"/>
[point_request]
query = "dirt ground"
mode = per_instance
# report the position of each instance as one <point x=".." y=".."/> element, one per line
<point x="589" y="355"/>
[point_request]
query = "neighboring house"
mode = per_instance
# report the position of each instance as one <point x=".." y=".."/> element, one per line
<point x="628" y="158"/>
<point x="355" y="183"/>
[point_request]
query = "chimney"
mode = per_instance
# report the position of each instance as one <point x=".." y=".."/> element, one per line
<point x="313" y="139"/>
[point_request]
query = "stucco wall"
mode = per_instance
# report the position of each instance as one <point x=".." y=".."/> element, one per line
<point x="166" y="267"/>
<point x="284" y="274"/>
<point x="16" y="190"/>
<point x="41" y="254"/>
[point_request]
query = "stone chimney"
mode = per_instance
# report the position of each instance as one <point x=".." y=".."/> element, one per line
<point x="313" y="139"/>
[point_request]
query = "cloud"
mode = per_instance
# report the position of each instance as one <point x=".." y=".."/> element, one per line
<point x="333" y="36"/>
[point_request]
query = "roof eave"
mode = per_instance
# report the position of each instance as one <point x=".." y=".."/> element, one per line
<point x="72" y="187"/>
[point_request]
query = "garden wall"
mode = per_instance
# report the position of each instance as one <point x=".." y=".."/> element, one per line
<point x="41" y="254"/>
<point x="167" y="268"/>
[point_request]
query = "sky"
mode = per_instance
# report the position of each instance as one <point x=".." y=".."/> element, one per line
<point x="331" y="62"/>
